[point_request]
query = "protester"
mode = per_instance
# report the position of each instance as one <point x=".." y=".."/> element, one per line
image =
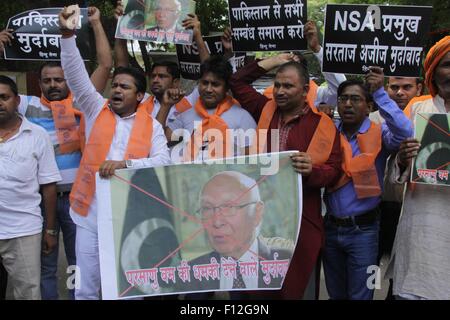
<point x="45" y="111"/>
<point x="401" y="90"/>
<point x="291" y="116"/>
<point x="120" y="133"/>
<point x="214" y="113"/>
<point x="163" y="74"/>
<point x="27" y="165"/>
<point x="352" y="220"/>
<point x="420" y="262"/>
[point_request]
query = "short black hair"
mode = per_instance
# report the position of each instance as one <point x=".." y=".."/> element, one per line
<point x="218" y="66"/>
<point x="139" y="77"/>
<point x="49" y="64"/>
<point x="172" y="68"/>
<point x="9" y="82"/>
<point x="300" y="67"/>
<point x="355" y="82"/>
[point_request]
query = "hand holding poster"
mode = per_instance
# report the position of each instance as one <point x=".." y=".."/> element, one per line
<point x="432" y="164"/>
<point x="189" y="58"/>
<point x="359" y="36"/>
<point x="37" y="36"/>
<point x="268" y="25"/>
<point x="197" y="227"/>
<point x="155" y="20"/>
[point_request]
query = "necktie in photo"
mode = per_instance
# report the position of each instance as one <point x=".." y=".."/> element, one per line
<point x="238" y="282"/>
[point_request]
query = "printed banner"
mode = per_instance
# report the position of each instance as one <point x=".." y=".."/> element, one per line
<point x="432" y="164"/>
<point x="189" y="58"/>
<point x="359" y="36"/>
<point x="198" y="227"/>
<point x="156" y="21"/>
<point x="37" y="36"/>
<point x="268" y="25"/>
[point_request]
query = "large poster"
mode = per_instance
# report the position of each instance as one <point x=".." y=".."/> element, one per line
<point x="156" y="20"/>
<point x="359" y="36"/>
<point x="189" y="58"/>
<point x="432" y="164"/>
<point x="37" y="36"/>
<point x="198" y="227"/>
<point x="268" y="25"/>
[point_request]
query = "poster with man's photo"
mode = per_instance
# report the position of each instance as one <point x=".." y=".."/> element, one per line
<point x="156" y="21"/>
<point x="218" y="226"/>
<point x="432" y="163"/>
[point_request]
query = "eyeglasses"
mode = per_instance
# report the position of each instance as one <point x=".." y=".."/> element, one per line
<point x="354" y="99"/>
<point x="170" y="11"/>
<point x="226" y="210"/>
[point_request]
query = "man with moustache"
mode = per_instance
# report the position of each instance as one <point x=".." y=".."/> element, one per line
<point x="27" y="165"/>
<point x="55" y="101"/>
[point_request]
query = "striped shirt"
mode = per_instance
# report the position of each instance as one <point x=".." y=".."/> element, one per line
<point x="68" y="163"/>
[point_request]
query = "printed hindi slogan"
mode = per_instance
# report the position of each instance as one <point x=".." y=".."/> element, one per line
<point x="198" y="227"/>
<point x="359" y="36"/>
<point x="156" y="21"/>
<point x="432" y="163"/>
<point x="189" y="58"/>
<point x="37" y="36"/>
<point x="268" y="25"/>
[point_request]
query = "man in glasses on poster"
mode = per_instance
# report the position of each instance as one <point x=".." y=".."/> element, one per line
<point x="231" y="212"/>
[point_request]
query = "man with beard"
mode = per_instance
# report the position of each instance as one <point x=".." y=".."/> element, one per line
<point x="420" y="262"/>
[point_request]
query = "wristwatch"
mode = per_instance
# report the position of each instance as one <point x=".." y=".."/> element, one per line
<point x="129" y="163"/>
<point x="51" y="232"/>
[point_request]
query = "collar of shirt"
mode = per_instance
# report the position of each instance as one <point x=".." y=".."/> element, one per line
<point x="440" y="103"/>
<point x="362" y="129"/>
<point x="250" y="255"/>
<point x="24" y="126"/>
<point x="123" y="118"/>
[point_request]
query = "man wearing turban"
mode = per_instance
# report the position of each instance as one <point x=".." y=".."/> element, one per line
<point x="420" y="262"/>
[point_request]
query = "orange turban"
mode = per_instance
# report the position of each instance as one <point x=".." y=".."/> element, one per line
<point x="434" y="56"/>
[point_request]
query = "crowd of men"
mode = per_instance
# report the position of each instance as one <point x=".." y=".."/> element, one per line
<point x="52" y="146"/>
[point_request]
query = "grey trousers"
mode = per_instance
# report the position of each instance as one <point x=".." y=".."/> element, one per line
<point x="21" y="258"/>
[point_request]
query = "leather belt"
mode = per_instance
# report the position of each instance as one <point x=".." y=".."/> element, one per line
<point x="363" y="219"/>
<point x="62" y="193"/>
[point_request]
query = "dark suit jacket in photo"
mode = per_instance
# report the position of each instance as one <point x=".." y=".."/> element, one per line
<point x="264" y="253"/>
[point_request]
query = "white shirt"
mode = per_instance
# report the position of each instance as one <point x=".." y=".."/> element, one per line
<point x="27" y="160"/>
<point x="91" y="103"/>
<point x="250" y="281"/>
<point x="235" y="118"/>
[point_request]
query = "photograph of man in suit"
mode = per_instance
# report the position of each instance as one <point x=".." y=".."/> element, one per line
<point x="232" y="212"/>
<point x="162" y="19"/>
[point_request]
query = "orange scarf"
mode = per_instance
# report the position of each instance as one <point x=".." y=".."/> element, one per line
<point x="408" y="110"/>
<point x="320" y="145"/>
<point x="216" y="143"/>
<point x="361" y="168"/>
<point x="97" y="148"/>
<point x="183" y="105"/>
<point x="311" y="97"/>
<point x="70" y="138"/>
<point x="434" y="56"/>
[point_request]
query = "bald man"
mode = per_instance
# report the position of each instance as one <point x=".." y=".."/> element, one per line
<point x="231" y="211"/>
